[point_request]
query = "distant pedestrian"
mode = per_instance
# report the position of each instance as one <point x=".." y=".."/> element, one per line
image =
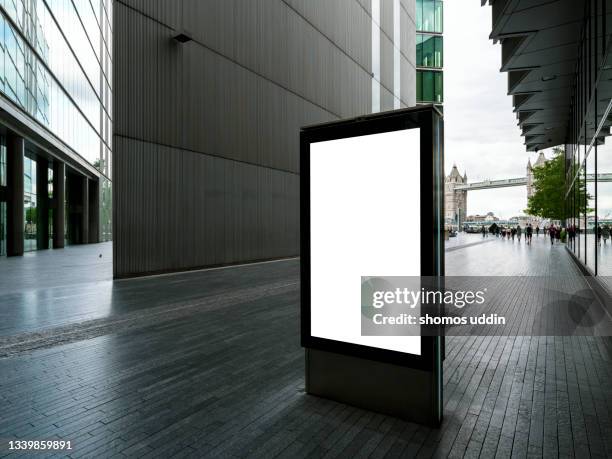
<point x="484" y="231"/>
<point x="528" y="233"/>
<point x="513" y="232"/>
<point x="519" y="232"/>
<point x="605" y="233"/>
<point x="598" y="233"/>
<point x="571" y="233"/>
<point x="537" y="231"/>
<point x="551" y="232"/>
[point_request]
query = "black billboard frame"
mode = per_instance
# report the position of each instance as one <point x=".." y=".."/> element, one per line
<point x="429" y="120"/>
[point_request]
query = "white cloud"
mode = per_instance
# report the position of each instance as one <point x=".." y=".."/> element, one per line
<point x="481" y="131"/>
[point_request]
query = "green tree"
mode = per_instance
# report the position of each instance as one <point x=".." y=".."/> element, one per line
<point x="30" y="215"/>
<point x="548" y="200"/>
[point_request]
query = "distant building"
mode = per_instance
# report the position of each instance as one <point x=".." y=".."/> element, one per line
<point x="455" y="201"/>
<point x="55" y="124"/>
<point x="539" y="162"/>
<point x="488" y="218"/>
<point x="524" y="220"/>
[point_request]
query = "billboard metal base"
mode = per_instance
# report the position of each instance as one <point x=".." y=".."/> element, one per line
<point x="378" y="386"/>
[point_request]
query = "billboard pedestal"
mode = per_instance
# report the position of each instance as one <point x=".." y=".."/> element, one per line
<point x="378" y="386"/>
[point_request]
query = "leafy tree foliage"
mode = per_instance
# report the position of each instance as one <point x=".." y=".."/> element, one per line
<point x="548" y="200"/>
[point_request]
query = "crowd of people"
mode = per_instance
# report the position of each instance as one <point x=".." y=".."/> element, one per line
<point x="517" y="232"/>
<point x="603" y="233"/>
<point x="556" y="233"/>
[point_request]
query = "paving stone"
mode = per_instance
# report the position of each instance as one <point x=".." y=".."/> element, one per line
<point x="228" y="381"/>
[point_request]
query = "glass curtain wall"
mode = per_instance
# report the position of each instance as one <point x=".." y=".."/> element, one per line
<point x="29" y="204"/>
<point x="3" y="185"/>
<point x="589" y="151"/>
<point x="56" y="66"/>
<point x="430" y="51"/>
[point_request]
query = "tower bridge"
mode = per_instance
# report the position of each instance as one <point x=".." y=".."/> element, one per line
<point x="520" y="181"/>
<point x="456" y="187"/>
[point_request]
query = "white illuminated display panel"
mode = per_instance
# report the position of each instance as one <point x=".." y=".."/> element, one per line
<point x="365" y="221"/>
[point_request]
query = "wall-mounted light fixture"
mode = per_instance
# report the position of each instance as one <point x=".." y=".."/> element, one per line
<point x="182" y="37"/>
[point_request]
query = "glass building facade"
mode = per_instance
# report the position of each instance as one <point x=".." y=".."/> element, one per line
<point x="56" y="67"/>
<point x="3" y="184"/>
<point x="430" y="51"/>
<point x="588" y="153"/>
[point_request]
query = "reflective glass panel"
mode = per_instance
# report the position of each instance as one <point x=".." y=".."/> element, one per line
<point x="604" y="207"/>
<point x="595" y="230"/>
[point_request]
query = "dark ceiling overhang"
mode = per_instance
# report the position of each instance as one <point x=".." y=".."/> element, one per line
<point x="540" y="41"/>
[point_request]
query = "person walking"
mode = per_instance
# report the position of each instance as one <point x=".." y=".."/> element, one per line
<point x="551" y="232"/>
<point x="599" y="231"/>
<point x="605" y="233"/>
<point x="537" y="231"/>
<point x="528" y="233"/>
<point x="519" y="232"/>
<point x="571" y="232"/>
<point x="484" y="232"/>
<point x="513" y="232"/>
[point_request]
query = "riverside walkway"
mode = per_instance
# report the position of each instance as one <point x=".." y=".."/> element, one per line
<point x="208" y="363"/>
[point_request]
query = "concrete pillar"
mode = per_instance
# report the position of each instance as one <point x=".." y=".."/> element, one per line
<point x="94" y="212"/>
<point x="59" y="206"/>
<point x="15" y="148"/>
<point x="85" y="211"/>
<point x="42" y="203"/>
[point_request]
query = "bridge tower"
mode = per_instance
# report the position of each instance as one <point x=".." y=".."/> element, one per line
<point x="455" y="201"/>
<point x="529" y="177"/>
<point x="539" y="162"/>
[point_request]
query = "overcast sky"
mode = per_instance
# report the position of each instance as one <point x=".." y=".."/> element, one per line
<point x="481" y="132"/>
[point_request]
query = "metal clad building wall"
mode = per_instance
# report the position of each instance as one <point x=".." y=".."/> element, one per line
<point x="206" y="135"/>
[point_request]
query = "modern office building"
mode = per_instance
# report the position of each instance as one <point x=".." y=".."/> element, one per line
<point x="55" y="123"/>
<point x="430" y="51"/>
<point x="210" y="97"/>
<point x="559" y="64"/>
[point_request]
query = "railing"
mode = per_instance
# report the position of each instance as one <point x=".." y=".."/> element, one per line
<point x="487" y="184"/>
<point x="521" y="181"/>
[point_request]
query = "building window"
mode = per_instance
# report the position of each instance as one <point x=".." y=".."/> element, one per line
<point x="429" y="87"/>
<point x="3" y="177"/>
<point x="429" y="15"/>
<point x="29" y="204"/>
<point x="429" y="52"/>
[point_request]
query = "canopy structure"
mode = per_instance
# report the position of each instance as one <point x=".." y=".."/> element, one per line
<point x="544" y="51"/>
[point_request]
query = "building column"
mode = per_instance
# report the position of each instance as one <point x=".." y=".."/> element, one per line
<point x="59" y="204"/>
<point x="85" y="211"/>
<point x="15" y="148"/>
<point x="42" y="203"/>
<point x="94" y="212"/>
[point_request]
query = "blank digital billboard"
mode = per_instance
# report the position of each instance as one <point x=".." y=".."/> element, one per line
<point x="365" y="220"/>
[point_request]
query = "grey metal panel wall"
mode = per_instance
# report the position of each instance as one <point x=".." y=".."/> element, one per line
<point x="206" y="141"/>
<point x="187" y="209"/>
